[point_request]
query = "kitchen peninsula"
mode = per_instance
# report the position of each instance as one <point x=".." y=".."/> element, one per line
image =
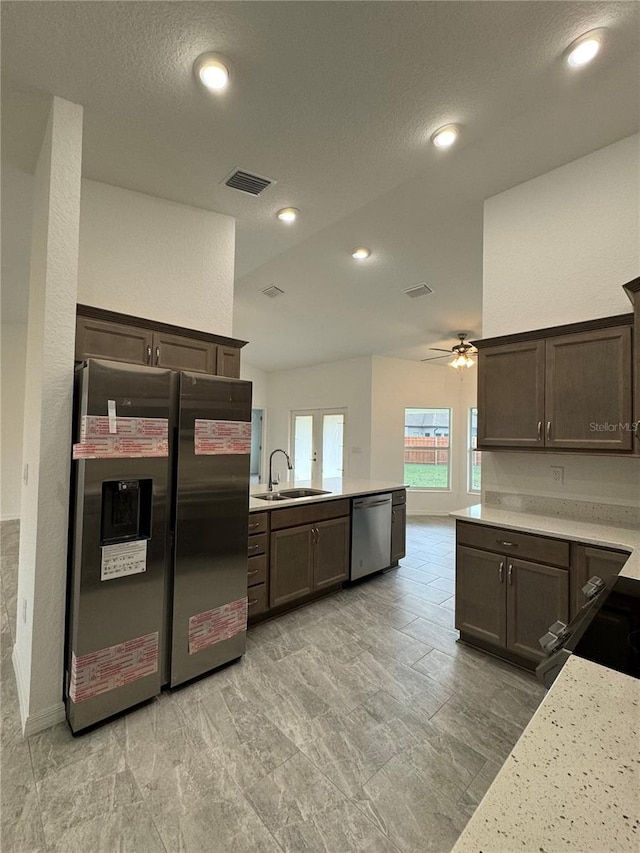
<point x="300" y="547"/>
<point x="573" y="778"/>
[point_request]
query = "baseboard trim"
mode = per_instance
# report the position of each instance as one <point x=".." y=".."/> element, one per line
<point x="34" y="723"/>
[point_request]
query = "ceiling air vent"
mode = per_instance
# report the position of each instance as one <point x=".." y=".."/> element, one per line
<point x="248" y="183"/>
<point x="272" y="291"/>
<point x="418" y="290"/>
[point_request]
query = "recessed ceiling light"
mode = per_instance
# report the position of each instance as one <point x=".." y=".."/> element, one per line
<point x="444" y="137"/>
<point x="212" y="71"/>
<point x="360" y="253"/>
<point x="288" y="214"/>
<point x="583" y="49"/>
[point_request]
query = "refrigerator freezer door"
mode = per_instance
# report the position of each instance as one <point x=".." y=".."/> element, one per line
<point x="117" y="555"/>
<point x="211" y="525"/>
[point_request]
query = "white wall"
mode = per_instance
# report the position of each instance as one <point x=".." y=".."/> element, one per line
<point x="260" y="380"/>
<point x="14" y="353"/>
<point x="399" y="384"/>
<point x="340" y="384"/>
<point x="157" y="259"/>
<point x="44" y="508"/>
<point x="558" y="249"/>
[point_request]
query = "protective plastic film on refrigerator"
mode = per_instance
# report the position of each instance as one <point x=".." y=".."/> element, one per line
<point x="158" y="533"/>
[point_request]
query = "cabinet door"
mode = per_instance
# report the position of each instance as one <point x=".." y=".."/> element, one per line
<point x="588" y="390"/>
<point x="330" y="552"/>
<point x="228" y="361"/>
<point x="593" y="561"/>
<point x="291" y="566"/>
<point x="511" y="395"/>
<point x="398" y="533"/>
<point x="181" y="353"/>
<point x="537" y="596"/>
<point x="480" y="595"/>
<point x="113" y="341"/>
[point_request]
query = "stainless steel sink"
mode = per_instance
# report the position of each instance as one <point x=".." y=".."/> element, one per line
<point x="290" y="494"/>
<point x="302" y="493"/>
<point x="270" y="496"/>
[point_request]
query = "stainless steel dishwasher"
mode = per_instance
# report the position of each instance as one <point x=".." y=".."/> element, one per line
<point x="370" y="535"/>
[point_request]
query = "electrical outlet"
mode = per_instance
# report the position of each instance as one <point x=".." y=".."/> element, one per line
<point x="557" y="473"/>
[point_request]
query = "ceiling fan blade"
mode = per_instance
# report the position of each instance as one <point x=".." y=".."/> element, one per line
<point x="439" y="349"/>
<point x="436" y="357"/>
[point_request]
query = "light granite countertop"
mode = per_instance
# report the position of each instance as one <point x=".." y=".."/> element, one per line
<point x="572" y="781"/>
<point x="338" y="487"/>
<point x="588" y="532"/>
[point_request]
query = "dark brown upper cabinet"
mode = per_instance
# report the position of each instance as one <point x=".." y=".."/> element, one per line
<point x="633" y="292"/>
<point x="566" y="388"/>
<point x="511" y="395"/>
<point x="120" y="337"/>
<point x="588" y="390"/>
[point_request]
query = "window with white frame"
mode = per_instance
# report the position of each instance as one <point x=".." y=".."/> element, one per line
<point x="427" y="448"/>
<point x="474" y="456"/>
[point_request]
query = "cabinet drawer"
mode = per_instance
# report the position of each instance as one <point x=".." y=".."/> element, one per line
<point x="308" y="514"/>
<point x="257" y="600"/>
<point x="257" y="544"/>
<point x="258" y="522"/>
<point x="398" y="498"/>
<point x="514" y="544"/>
<point x="257" y="570"/>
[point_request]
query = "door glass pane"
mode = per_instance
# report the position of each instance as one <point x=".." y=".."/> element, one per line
<point x="303" y="446"/>
<point x="332" y="445"/>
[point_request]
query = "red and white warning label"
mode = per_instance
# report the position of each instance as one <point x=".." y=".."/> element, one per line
<point x="121" y="447"/>
<point x="108" y="669"/>
<point x="132" y="438"/>
<point x="221" y="438"/>
<point x="97" y="426"/>
<point x="211" y="627"/>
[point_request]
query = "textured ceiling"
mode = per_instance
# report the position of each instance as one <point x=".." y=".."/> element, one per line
<point x="335" y="101"/>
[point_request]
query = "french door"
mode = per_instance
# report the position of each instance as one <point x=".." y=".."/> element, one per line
<point x="318" y="443"/>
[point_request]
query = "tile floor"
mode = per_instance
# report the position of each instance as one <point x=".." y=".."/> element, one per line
<point x="354" y="724"/>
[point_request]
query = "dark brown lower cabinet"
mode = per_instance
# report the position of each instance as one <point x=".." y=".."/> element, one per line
<point x="590" y="561"/>
<point x="508" y="603"/>
<point x="308" y="558"/>
<point x="480" y="595"/>
<point x="537" y="596"/>
<point x="398" y="533"/>
<point x="330" y="552"/>
<point x="291" y="564"/>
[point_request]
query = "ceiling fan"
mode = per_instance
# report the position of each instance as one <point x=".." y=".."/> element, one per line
<point x="461" y="352"/>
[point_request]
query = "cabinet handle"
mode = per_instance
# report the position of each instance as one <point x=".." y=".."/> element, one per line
<point x="510" y="575"/>
<point x="393" y="515"/>
<point x="252" y="602"/>
<point x="157" y="354"/>
<point x="539" y="430"/>
<point x="506" y="543"/>
<point x="253" y="547"/>
<point x="548" y="430"/>
<point x="254" y="525"/>
<point x="148" y="355"/>
<point x="253" y="572"/>
<point x="501" y="572"/>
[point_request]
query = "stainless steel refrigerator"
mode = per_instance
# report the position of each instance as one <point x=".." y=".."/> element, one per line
<point x="158" y="533"/>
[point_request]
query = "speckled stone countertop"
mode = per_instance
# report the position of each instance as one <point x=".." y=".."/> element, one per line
<point x="588" y="532"/>
<point x="572" y="782"/>
<point x="337" y="487"/>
